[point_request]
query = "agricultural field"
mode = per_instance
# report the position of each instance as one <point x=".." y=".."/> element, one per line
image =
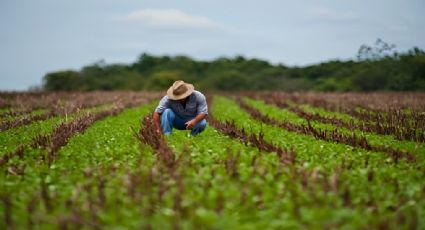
<point x="267" y="160"/>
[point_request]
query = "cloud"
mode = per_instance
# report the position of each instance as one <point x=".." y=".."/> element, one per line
<point x="323" y="13"/>
<point x="168" y="18"/>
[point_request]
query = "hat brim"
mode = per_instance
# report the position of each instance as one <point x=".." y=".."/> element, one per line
<point x="171" y="96"/>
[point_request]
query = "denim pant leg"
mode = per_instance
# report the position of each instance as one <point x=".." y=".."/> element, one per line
<point x="199" y="127"/>
<point x="179" y="122"/>
<point x="170" y="120"/>
<point x="167" y="120"/>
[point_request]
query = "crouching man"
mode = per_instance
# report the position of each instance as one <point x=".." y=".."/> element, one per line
<point x="182" y="108"/>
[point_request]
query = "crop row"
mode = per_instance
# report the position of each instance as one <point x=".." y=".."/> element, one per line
<point x="14" y="103"/>
<point x="44" y="188"/>
<point x="348" y="167"/>
<point x="239" y="173"/>
<point x="374" y="102"/>
<point x="417" y="149"/>
<point x="333" y="136"/>
<point x="399" y="110"/>
<point x="394" y="122"/>
<point x="62" y="133"/>
<point x="70" y="103"/>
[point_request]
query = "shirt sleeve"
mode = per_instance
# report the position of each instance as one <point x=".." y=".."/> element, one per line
<point x="202" y="104"/>
<point x="163" y="104"/>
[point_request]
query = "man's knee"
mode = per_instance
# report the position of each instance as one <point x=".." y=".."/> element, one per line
<point x="169" y="114"/>
<point x="199" y="127"/>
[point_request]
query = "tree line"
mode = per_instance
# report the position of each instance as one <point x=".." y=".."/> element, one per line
<point x="377" y="68"/>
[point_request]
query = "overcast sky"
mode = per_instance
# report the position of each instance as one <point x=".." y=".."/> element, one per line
<point x="41" y="36"/>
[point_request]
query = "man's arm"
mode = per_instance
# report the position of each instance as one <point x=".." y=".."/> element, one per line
<point x="157" y="122"/>
<point x="202" y="111"/>
<point x="190" y="124"/>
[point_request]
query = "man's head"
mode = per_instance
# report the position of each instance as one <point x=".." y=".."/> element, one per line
<point x="179" y="90"/>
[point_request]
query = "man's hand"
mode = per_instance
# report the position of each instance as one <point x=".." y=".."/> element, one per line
<point x="190" y="124"/>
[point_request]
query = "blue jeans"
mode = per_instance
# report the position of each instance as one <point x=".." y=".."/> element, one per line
<point x="170" y="120"/>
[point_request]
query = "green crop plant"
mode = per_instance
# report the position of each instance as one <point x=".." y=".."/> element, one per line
<point x="104" y="148"/>
<point x="417" y="149"/>
<point x="11" y="138"/>
<point x="329" y="157"/>
<point x="110" y="170"/>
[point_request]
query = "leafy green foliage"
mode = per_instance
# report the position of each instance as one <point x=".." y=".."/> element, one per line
<point x="106" y="178"/>
<point x="319" y="155"/>
<point x="395" y="72"/>
<point x="9" y="139"/>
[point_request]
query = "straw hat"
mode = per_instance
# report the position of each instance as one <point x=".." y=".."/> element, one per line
<point x="179" y="90"/>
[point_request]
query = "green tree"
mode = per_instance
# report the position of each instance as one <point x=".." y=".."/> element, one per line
<point x="62" y="81"/>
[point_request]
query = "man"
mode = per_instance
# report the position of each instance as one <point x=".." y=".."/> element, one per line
<point x="182" y="108"/>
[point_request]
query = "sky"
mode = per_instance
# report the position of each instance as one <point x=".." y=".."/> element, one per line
<point x="37" y="37"/>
